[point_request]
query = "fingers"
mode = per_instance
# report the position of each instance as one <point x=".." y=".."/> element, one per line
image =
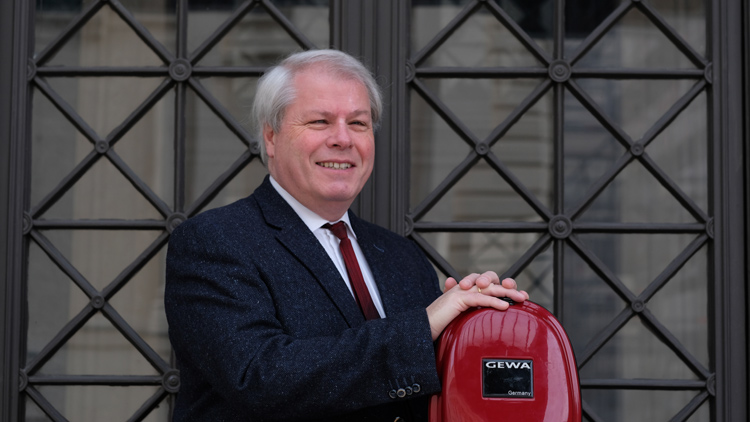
<point x="502" y="290"/>
<point x="481" y="280"/>
<point x="509" y="283"/>
<point x="450" y="283"/>
<point x="475" y="290"/>
<point x="456" y="300"/>
<point x="484" y="281"/>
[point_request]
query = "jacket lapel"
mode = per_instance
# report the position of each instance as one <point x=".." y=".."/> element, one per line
<point x="294" y="235"/>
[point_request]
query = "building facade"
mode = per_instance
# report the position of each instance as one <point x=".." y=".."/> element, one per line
<point x="595" y="150"/>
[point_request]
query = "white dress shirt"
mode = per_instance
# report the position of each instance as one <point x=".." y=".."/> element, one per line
<point x="331" y="243"/>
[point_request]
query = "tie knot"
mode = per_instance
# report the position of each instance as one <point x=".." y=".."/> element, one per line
<point x="338" y="229"/>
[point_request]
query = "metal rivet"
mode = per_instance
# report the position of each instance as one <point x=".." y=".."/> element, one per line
<point x="638" y="306"/>
<point x="171" y="381"/>
<point x="636" y="149"/>
<point x="708" y="73"/>
<point x="710" y="228"/>
<point x="560" y="227"/>
<point x="97" y="302"/>
<point x="711" y="385"/>
<point x="175" y="220"/>
<point x="559" y="71"/>
<point x="410" y="72"/>
<point x="23" y="380"/>
<point x="28" y="223"/>
<point x="408" y="225"/>
<point x="101" y="146"/>
<point x="255" y="148"/>
<point x="31" y="70"/>
<point x="482" y="149"/>
<point x="180" y="70"/>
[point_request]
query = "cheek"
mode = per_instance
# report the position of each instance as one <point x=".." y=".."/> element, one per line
<point x="367" y="150"/>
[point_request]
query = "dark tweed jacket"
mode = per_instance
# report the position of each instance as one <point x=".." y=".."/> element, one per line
<point x="264" y="328"/>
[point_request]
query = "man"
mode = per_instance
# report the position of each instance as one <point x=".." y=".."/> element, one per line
<point x="264" y="315"/>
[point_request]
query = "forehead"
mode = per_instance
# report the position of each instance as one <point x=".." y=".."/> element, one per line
<point x="319" y="81"/>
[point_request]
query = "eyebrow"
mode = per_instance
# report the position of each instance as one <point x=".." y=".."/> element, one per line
<point x="352" y="114"/>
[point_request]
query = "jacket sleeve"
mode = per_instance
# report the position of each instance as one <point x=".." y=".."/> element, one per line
<point x="224" y="324"/>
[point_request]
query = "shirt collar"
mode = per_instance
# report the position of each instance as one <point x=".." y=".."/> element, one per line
<point x="312" y="220"/>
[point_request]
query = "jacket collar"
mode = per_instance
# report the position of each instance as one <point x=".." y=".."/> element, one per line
<point x="294" y="235"/>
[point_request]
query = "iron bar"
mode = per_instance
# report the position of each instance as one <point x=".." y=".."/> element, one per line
<point x="600" y="339"/>
<point x="139" y="112"/>
<point x="518" y="186"/>
<point x="63" y="264"/>
<point x="641" y="384"/>
<point x="287" y="25"/>
<point x="217" y="35"/>
<point x="455" y="175"/>
<point x="141" y="32"/>
<point x="44" y="405"/>
<point x="134" y="338"/>
<point x="521" y="35"/>
<point x="138" y="183"/>
<point x="598" y="187"/>
<point x="65" y="184"/>
<point x="109" y="380"/>
<point x="221" y="181"/>
<point x="139" y="262"/>
<point x="437" y="259"/>
<point x="690" y="408"/>
<point x="445" y="33"/>
<point x="104" y="224"/>
<point x="60" y="339"/>
<point x="480" y="226"/>
<point x="220" y="112"/>
<point x="601" y="269"/>
<point x="149" y="405"/>
<point x="537" y="248"/>
<point x="673" y="112"/>
<point x="672" y="35"/>
<point x="685" y="200"/>
<point x="593" y="38"/>
<point x="669" y="339"/>
<point x="518" y="112"/>
<point x="446" y="114"/>
<point x="66" y="34"/>
<point x="102" y="71"/>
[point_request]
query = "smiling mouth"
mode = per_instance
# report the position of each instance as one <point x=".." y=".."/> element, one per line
<point x="336" y="166"/>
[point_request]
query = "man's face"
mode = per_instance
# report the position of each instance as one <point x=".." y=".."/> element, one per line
<point x="323" y="152"/>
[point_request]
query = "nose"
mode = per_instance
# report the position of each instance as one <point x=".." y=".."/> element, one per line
<point x="340" y="136"/>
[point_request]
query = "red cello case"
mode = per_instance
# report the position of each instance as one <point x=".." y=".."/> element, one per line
<point x="506" y="365"/>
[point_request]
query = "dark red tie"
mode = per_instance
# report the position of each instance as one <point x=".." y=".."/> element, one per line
<point x="361" y="294"/>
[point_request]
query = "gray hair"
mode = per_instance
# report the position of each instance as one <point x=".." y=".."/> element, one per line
<point x="276" y="92"/>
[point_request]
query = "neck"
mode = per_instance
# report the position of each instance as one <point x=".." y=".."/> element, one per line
<point x="330" y="211"/>
<point x="331" y="214"/>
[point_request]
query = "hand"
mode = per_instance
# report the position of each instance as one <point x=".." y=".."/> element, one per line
<point x="473" y="290"/>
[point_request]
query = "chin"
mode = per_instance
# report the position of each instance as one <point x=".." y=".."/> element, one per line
<point x="341" y="195"/>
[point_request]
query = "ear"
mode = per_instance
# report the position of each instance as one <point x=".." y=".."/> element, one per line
<point x="269" y="138"/>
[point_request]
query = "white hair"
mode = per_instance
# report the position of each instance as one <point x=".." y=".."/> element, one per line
<point x="276" y="91"/>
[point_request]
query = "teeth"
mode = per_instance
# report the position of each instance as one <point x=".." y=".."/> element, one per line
<point x="337" y="166"/>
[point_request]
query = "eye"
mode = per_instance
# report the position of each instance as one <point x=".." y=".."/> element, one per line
<point x="318" y="123"/>
<point x="360" y="123"/>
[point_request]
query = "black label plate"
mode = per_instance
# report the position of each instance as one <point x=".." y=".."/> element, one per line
<point x="508" y="378"/>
